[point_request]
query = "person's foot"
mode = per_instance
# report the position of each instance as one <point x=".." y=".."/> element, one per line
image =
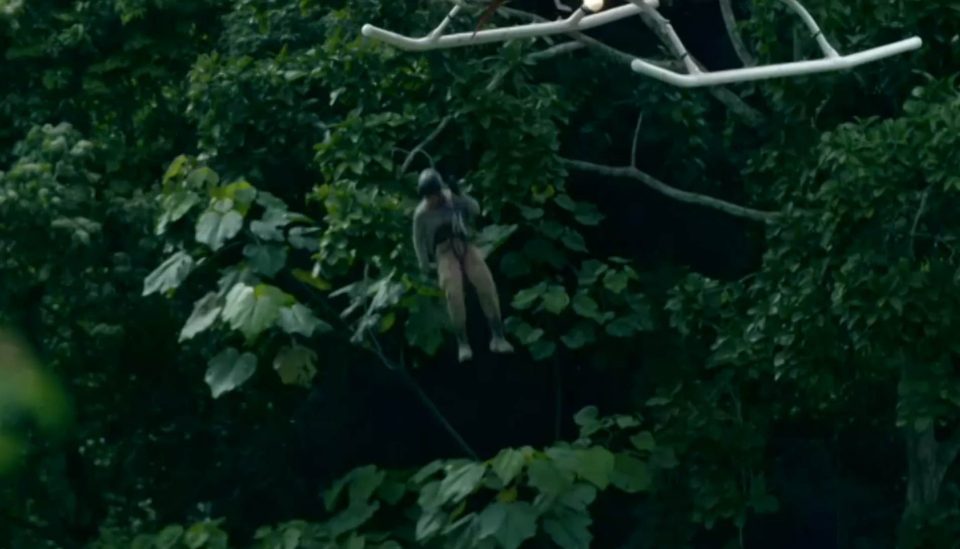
<point x="500" y="345"/>
<point x="464" y="352"/>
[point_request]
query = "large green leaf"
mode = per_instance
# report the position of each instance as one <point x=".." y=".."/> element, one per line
<point x="569" y="529"/>
<point x="508" y="464"/>
<point x="251" y="310"/>
<point x="218" y="224"/>
<point x="266" y="259"/>
<point x="630" y="474"/>
<point x="298" y="319"/>
<point x="461" y="481"/>
<point x="169" y="275"/>
<point x="229" y="370"/>
<point x="555" y="299"/>
<point x="205" y="313"/>
<point x="296" y="365"/>
<point x="509" y="523"/>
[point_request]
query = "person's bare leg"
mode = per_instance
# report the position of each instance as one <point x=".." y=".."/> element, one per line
<point x="450" y="278"/>
<point x="481" y="278"/>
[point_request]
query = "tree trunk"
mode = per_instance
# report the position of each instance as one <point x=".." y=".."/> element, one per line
<point x="927" y="464"/>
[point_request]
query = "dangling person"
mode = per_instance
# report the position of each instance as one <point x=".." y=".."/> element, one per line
<point x="440" y="232"/>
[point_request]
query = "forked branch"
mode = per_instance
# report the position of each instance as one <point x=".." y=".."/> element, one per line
<point x="673" y="192"/>
<point x="580" y="20"/>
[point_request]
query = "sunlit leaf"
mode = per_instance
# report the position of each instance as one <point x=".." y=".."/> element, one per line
<point x="229" y="370"/>
<point x="169" y="275"/>
<point x="298" y="319"/>
<point x="205" y="313"/>
<point x="215" y="227"/>
<point x="296" y="365"/>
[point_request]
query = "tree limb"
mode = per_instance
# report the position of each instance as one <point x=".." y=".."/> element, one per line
<point x="660" y="27"/>
<point x="672" y="192"/>
<point x="730" y="22"/>
<point x="609" y="51"/>
<point x="916" y="218"/>
<point x="426" y="141"/>
<point x="633" y="146"/>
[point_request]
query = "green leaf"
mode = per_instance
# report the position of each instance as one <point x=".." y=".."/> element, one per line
<point x="569" y="530"/>
<point x="205" y="313"/>
<point x="585" y="306"/>
<point x="643" y="441"/>
<point x="549" y="479"/>
<point x="509" y="523"/>
<point x="426" y="324"/>
<point x="587" y="416"/>
<point x="270" y="226"/>
<point x="579" y="336"/>
<point x="555" y="299"/>
<point x="352" y="518"/>
<point x="215" y="227"/>
<point x="573" y="240"/>
<point x="461" y="481"/>
<point x="266" y="259"/>
<point x="508" y="464"/>
<point x="525" y="298"/>
<point x="296" y="365"/>
<point x="579" y="497"/>
<point x="168" y="537"/>
<point x="429" y="524"/>
<point x="615" y="281"/>
<point x="196" y="536"/>
<point x="364" y="481"/>
<point x="202" y="178"/>
<point x="525" y="333"/>
<point x="541" y="350"/>
<point x="588" y="214"/>
<point x="630" y="474"/>
<point x="624" y="326"/>
<point x="229" y="370"/>
<point x="169" y="275"/>
<point x="590" y="272"/>
<point x="565" y="202"/>
<point x="175" y="205"/>
<point x="251" y="310"/>
<point x="298" y="319"/>
<point x="595" y="465"/>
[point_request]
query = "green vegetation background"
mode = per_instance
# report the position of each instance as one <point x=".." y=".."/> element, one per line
<point x="204" y="244"/>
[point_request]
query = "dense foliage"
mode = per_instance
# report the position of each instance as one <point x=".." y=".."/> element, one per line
<point x="205" y="218"/>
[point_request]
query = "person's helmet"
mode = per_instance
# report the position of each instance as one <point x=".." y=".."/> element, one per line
<point x="430" y="183"/>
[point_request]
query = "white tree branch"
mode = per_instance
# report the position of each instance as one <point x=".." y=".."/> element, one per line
<point x="730" y="22"/>
<point x="577" y="21"/>
<point x="695" y="77"/>
<point x="674" y="193"/>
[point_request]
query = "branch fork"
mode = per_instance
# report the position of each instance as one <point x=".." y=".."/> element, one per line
<point x="583" y="19"/>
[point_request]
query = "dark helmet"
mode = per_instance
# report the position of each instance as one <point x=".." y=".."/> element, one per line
<point x="430" y="183"/>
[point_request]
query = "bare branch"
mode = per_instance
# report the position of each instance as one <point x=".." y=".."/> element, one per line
<point x="730" y="22"/>
<point x="664" y="31"/>
<point x="633" y="147"/>
<point x="419" y="148"/>
<point x="916" y="218"/>
<point x="677" y="194"/>
<point x="609" y="51"/>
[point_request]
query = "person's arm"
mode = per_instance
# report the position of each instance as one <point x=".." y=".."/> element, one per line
<point x="421" y="244"/>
